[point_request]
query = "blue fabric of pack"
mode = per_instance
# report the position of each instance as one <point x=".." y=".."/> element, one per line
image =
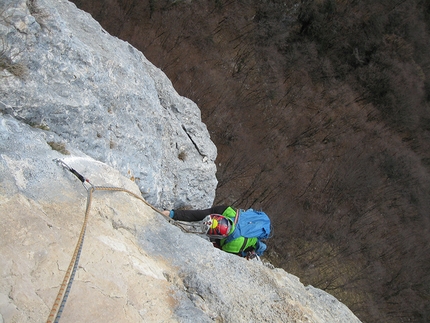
<point x="251" y="224"/>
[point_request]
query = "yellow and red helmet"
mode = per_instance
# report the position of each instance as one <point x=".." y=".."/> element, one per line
<point x="216" y="226"/>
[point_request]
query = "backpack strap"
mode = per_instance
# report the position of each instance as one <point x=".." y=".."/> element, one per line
<point x="236" y="218"/>
<point x="245" y="241"/>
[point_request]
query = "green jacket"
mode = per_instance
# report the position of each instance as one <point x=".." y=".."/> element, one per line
<point x="236" y="245"/>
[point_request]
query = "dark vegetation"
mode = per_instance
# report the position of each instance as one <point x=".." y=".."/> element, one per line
<point x="320" y="112"/>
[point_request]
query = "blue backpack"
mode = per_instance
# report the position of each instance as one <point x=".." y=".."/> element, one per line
<point x="251" y="224"/>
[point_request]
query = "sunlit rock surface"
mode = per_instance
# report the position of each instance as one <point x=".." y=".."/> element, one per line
<point x="99" y="94"/>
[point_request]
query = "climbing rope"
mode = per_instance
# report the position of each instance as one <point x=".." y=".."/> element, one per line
<point x="187" y="227"/>
<point x="63" y="293"/>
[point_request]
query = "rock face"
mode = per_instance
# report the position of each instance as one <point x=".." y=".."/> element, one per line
<point x="134" y="266"/>
<point x="96" y="103"/>
<point x="101" y="95"/>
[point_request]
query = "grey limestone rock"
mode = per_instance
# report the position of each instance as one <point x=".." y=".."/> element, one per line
<point x="135" y="266"/>
<point x="102" y="96"/>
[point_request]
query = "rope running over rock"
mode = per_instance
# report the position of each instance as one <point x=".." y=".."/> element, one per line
<point x="66" y="285"/>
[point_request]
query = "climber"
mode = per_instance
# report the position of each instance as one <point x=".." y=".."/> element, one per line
<point x="235" y="231"/>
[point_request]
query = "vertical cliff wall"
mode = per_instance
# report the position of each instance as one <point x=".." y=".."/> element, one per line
<point x="63" y="73"/>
